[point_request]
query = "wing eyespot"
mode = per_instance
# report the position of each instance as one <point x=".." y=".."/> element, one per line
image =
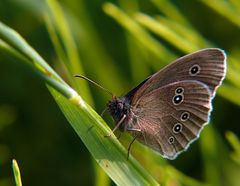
<point x="177" y="99"/>
<point x="177" y="128"/>
<point x="194" y="70"/>
<point x="179" y="90"/>
<point x="171" y="140"/>
<point x="185" y="116"/>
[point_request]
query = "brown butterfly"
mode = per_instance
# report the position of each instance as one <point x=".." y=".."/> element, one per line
<point x="168" y="110"/>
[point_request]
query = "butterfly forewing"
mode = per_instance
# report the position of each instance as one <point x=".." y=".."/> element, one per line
<point x="207" y="66"/>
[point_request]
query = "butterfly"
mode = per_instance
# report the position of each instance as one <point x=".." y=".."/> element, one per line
<point x="169" y="109"/>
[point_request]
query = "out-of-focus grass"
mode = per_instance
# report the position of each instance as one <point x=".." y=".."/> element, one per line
<point x="152" y="39"/>
<point x="17" y="175"/>
<point x="235" y="143"/>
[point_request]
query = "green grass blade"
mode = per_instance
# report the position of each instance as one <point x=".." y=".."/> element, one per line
<point x="90" y="127"/>
<point x="189" y="33"/>
<point x="101" y="177"/>
<point x="235" y="4"/>
<point x="138" y="56"/>
<point x="209" y="148"/>
<point x="108" y="152"/>
<point x="230" y="93"/>
<point x="164" y="31"/>
<point x="88" y="37"/>
<point x="16" y="172"/>
<point x="233" y="140"/>
<point x="138" y="32"/>
<point x="13" y="39"/>
<point x="39" y="70"/>
<point x="178" y="176"/>
<point x="235" y="143"/>
<point x="224" y="8"/>
<point x="73" y="62"/>
<point x="170" y="10"/>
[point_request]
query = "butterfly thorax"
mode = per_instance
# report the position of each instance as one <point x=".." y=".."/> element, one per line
<point x="118" y="107"/>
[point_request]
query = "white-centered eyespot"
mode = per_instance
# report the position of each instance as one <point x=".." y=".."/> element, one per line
<point x="177" y="128"/>
<point x="194" y="70"/>
<point x="185" y="116"/>
<point x="171" y="140"/>
<point x="177" y="99"/>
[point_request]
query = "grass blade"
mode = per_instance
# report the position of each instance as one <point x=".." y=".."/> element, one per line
<point x="138" y="32"/>
<point x="90" y="127"/>
<point x="16" y="172"/>
<point x="108" y="152"/>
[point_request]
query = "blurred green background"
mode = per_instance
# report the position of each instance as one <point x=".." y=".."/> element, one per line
<point x="118" y="43"/>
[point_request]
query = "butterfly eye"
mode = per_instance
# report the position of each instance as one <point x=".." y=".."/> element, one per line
<point x="179" y="90"/>
<point x="194" y="70"/>
<point x="171" y="139"/>
<point x="177" y="99"/>
<point x="177" y="128"/>
<point x="185" y="116"/>
<point x="120" y="104"/>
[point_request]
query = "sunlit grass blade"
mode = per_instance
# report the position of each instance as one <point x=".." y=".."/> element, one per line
<point x="108" y="152"/>
<point x="175" y="175"/>
<point x="235" y="143"/>
<point x="235" y="4"/>
<point x="137" y="54"/>
<point x="223" y="8"/>
<point x="165" y="32"/>
<point x="56" y="43"/>
<point x="16" y="172"/>
<point x="73" y="62"/>
<point x="101" y="178"/>
<point x="230" y="93"/>
<point x="233" y="75"/>
<point x="210" y="154"/>
<point x="161" y="169"/>
<point x="138" y="32"/>
<point x="137" y="59"/>
<point x="187" y="32"/>
<point x="170" y="10"/>
<point x="92" y="46"/>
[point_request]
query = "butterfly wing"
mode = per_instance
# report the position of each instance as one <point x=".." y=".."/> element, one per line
<point x="207" y="66"/>
<point x="170" y="119"/>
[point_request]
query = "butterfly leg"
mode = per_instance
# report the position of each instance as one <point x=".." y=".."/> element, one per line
<point x="136" y="136"/>
<point x="117" y="126"/>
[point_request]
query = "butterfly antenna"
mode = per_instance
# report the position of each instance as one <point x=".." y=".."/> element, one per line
<point x="93" y="82"/>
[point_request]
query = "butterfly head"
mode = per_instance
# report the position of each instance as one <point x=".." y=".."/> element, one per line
<point x="118" y="107"/>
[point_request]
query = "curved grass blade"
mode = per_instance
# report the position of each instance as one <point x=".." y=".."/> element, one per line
<point x="90" y="127"/>
<point x="108" y="152"/>
<point x="16" y="172"/>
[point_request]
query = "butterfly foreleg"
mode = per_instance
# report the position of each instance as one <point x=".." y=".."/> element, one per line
<point x="117" y="126"/>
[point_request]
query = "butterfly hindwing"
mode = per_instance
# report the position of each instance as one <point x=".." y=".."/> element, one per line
<point x="172" y="116"/>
